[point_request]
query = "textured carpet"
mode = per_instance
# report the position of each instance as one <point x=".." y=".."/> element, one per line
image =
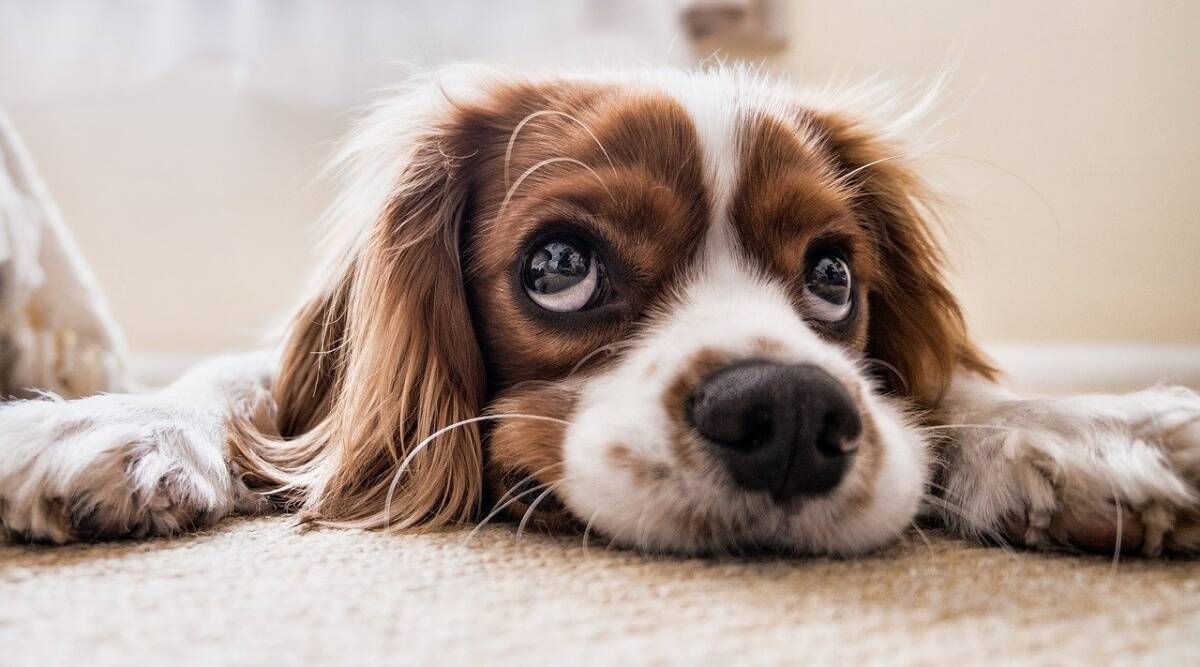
<point x="258" y="591"/>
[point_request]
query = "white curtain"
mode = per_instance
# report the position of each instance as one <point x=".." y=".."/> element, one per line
<point x="315" y="52"/>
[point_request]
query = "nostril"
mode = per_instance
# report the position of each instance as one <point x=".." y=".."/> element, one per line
<point x="839" y="432"/>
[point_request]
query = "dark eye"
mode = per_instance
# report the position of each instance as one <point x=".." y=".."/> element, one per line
<point x="563" y="275"/>
<point x="827" y="287"/>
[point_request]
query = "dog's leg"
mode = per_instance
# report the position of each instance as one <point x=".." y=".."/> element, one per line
<point x="1082" y="472"/>
<point x="130" y="465"/>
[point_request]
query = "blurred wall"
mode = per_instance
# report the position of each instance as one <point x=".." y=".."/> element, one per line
<point x="1087" y="108"/>
<point x="194" y="202"/>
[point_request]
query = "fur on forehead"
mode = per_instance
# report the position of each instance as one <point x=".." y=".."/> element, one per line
<point x="389" y="131"/>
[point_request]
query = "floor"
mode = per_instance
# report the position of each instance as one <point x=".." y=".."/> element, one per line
<point x="259" y="591"/>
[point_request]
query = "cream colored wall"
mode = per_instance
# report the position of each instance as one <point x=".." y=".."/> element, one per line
<point x="194" y="202"/>
<point x="1095" y="105"/>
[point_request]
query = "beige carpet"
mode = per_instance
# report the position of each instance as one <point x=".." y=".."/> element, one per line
<point x="258" y="591"/>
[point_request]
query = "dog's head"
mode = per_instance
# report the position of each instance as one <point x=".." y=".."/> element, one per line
<point x="689" y="307"/>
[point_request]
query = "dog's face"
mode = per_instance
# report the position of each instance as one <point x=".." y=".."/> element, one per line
<point x="672" y="294"/>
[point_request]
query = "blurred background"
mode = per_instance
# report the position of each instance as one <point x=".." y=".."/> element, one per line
<point x="183" y="141"/>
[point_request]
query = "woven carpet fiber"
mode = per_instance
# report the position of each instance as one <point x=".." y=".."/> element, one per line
<point x="260" y="591"/>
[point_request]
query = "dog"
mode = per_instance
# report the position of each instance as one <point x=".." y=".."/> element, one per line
<point x="693" y="312"/>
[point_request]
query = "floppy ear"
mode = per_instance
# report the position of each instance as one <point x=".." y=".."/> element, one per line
<point x="916" y="324"/>
<point x="385" y="354"/>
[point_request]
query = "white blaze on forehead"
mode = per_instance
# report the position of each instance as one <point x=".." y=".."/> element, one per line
<point x="715" y="108"/>
<point x="719" y="101"/>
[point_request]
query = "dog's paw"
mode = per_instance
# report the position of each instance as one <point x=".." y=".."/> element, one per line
<point x="112" y="466"/>
<point x="1093" y="473"/>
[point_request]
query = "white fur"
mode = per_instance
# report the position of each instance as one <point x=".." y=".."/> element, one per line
<point x="128" y="465"/>
<point x="1042" y="460"/>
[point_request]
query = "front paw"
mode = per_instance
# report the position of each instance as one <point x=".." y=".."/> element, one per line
<point x="1094" y="473"/>
<point x="106" y="467"/>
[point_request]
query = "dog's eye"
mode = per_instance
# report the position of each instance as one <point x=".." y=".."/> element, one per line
<point x="563" y="275"/>
<point x="827" y="287"/>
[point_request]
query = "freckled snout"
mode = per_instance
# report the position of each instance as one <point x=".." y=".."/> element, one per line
<point x="790" y="430"/>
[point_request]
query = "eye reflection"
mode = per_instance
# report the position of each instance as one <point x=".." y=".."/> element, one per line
<point x="557" y="266"/>
<point x="563" y="275"/>
<point x="827" y="287"/>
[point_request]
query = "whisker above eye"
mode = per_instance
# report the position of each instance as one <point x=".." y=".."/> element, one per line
<point x="548" y="161"/>
<point x="512" y="139"/>
<point x="845" y="179"/>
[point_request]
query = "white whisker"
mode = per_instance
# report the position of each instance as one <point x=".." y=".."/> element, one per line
<point x="548" y="161"/>
<point x="587" y="529"/>
<point x="500" y="508"/>
<point x="533" y="506"/>
<point x="921" y="534"/>
<point x="959" y="512"/>
<point x="530" y="477"/>
<point x="512" y="139"/>
<point x="387" y="509"/>
<point x="883" y="364"/>
<point x="600" y="350"/>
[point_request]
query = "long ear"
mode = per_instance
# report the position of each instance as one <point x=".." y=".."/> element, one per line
<point x="384" y="356"/>
<point x="916" y="324"/>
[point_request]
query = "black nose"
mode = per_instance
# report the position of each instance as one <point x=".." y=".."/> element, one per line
<point x="787" y="430"/>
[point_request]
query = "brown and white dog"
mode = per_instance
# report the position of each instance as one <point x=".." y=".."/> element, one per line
<point x="690" y="311"/>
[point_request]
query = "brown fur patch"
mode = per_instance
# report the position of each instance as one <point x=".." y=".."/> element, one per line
<point x="916" y="323"/>
<point x="675" y="402"/>
<point x="525" y="454"/>
<point x="787" y="202"/>
<point x="636" y="192"/>
<point x="825" y="180"/>
<point x="641" y="469"/>
<point x="767" y="347"/>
